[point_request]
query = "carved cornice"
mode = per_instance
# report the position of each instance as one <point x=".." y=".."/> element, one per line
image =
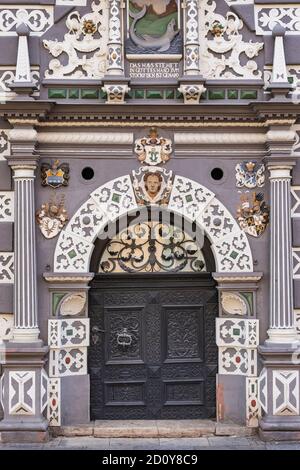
<point x="219" y="138"/>
<point x="238" y="277"/>
<point x="89" y="138"/>
<point x="70" y="278"/>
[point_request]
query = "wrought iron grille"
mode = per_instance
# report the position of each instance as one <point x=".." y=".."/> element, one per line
<point x="152" y="247"/>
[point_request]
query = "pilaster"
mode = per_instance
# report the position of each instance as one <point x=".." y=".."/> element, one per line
<point x="191" y="85"/>
<point x="279" y="391"/>
<point x="115" y="83"/>
<point x="24" y="380"/>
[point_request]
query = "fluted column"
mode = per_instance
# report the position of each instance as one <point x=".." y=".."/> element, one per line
<point x="25" y="288"/>
<point x="23" y="162"/>
<point x="282" y="322"/>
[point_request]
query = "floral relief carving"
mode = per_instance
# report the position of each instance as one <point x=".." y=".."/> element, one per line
<point x="222" y="46"/>
<point x="85" y="45"/>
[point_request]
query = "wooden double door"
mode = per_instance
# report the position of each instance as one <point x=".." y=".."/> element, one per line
<point x="153" y="352"/>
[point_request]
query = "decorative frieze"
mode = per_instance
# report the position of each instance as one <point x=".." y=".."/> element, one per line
<point x="68" y="333"/>
<point x="68" y="361"/>
<point x="269" y="16"/>
<point x="38" y="19"/>
<point x="54" y="402"/>
<point x="237" y="361"/>
<point x="253" y="409"/>
<point x="295" y="211"/>
<point x="22" y="392"/>
<point x="296" y="263"/>
<point x="237" y="332"/>
<point x="6" y="268"/>
<point x="84" y="45"/>
<point x="263" y="390"/>
<point x="285" y="392"/>
<point x="6" y="206"/>
<point x="4" y="142"/>
<point x="6" y="326"/>
<point x="44" y="390"/>
<point x="115" y="92"/>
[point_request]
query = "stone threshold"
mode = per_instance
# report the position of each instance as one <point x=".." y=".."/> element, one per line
<point x="154" y="429"/>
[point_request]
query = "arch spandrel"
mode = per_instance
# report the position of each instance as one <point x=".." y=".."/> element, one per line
<point x="188" y="198"/>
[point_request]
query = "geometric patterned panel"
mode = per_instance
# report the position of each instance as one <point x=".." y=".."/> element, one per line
<point x="2" y="391"/>
<point x="6" y="206"/>
<point x="116" y="197"/>
<point x="21" y="392"/>
<point x="296" y="263"/>
<point x="44" y="390"/>
<point x="285" y="392"/>
<point x="237" y="361"/>
<point x="88" y="221"/>
<point x="6" y="326"/>
<point x="237" y="332"/>
<point x="233" y="253"/>
<point x="54" y="408"/>
<point x="263" y="390"/>
<point x="189" y="198"/>
<point x="297" y="320"/>
<point x="72" y="253"/>
<point x="68" y="361"/>
<point x="295" y="212"/>
<point x="218" y="222"/>
<point x="253" y="411"/>
<point x="68" y="333"/>
<point x="6" y="268"/>
<point x="4" y="142"/>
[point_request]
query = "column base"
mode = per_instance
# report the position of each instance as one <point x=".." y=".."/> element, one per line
<point x="274" y="429"/>
<point x="281" y="336"/>
<point x="26" y="335"/>
<point x="31" y="432"/>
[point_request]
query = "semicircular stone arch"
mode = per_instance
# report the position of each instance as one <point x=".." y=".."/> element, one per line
<point x="188" y="198"/>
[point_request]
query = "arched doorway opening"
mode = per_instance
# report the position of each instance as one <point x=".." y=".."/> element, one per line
<point x="152" y="307"/>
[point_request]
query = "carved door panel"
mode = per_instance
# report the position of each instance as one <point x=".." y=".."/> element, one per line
<point x="151" y="354"/>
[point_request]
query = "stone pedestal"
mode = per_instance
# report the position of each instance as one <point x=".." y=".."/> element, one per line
<point x="24" y="393"/>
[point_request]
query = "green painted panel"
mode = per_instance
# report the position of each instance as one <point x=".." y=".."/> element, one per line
<point x="169" y="94"/>
<point x="232" y="94"/>
<point x="57" y="93"/>
<point x="74" y="93"/>
<point x="87" y="94"/>
<point x="56" y="298"/>
<point x="216" y="95"/>
<point x="154" y="94"/>
<point x="248" y="94"/>
<point x="139" y="94"/>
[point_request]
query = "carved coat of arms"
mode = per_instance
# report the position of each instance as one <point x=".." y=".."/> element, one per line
<point x="153" y="150"/>
<point x="51" y="218"/>
<point x="55" y="174"/>
<point x="253" y="214"/>
<point x="250" y="175"/>
<point x="152" y="185"/>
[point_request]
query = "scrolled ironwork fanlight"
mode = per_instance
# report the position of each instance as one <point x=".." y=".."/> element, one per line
<point x="152" y="247"/>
